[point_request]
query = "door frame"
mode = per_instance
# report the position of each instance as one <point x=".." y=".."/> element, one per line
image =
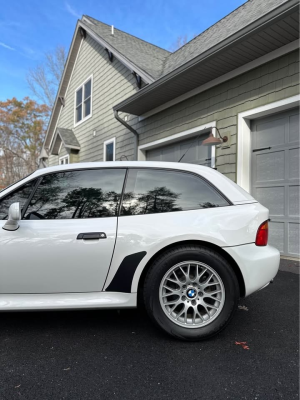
<point x="244" y="135"/>
<point x="190" y="133"/>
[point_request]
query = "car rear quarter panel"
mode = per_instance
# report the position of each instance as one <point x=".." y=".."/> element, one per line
<point x="224" y="226"/>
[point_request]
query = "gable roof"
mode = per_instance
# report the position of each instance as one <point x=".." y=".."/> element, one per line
<point x="160" y="69"/>
<point x="242" y="16"/>
<point x="67" y="138"/>
<point x="254" y="30"/>
<point x="147" y="56"/>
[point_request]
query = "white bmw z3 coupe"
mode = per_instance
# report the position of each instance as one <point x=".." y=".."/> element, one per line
<point x="182" y="238"/>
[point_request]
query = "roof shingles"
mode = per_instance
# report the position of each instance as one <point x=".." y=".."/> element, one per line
<point x="227" y="26"/>
<point x="145" y="55"/>
<point x="158" y="62"/>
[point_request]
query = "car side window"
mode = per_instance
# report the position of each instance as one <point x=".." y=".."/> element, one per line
<point x="20" y="195"/>
<point x="158" y="191"/>
<point x="91" y="193"/>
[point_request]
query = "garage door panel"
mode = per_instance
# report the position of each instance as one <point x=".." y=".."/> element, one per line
<point x="276" y="235"/>
<point x="270" y="166"/>
<point x="155" y="155"/>
<point x="294" y="163"/>
<point x="191" y="154"/>
<point x="272" y="127"/>
<point x="294" y="201"/>
<point x="195" y="152"/>
<point x="273" y="198"/>
<point x="294" y="128"/>
<point x="169" y="153"/>
<point x="293" y="238"/>
<point x="275" y="176"/>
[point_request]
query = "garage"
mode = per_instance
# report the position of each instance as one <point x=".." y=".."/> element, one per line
<point x="275" y="176"/>
<point x="195" y="152"/>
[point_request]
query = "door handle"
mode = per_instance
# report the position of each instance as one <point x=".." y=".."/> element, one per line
<point x="91" y="236"/>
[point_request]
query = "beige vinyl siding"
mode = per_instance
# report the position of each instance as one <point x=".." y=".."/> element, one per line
<point x="268" y="83"/>
<point x="112" y="82"/>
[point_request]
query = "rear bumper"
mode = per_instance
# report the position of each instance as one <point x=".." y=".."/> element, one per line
<point x="258" y="265"/>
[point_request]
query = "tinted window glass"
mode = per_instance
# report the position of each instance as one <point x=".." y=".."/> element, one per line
<point x="157" y="191"/>
<point x="19" y="195"/>
<point x="78" y="194"/>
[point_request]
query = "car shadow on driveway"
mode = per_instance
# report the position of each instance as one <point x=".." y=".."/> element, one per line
<point x="121" y="354"/>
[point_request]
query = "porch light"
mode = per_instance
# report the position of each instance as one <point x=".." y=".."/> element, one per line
<point x="214" y="141"/>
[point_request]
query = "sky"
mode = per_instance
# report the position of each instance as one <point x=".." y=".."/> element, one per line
<point x="29" y="28"/>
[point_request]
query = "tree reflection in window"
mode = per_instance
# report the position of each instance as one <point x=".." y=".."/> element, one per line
<point x="78" y="194"/>
<point x="158" y="191"/>
<point x="158" y="200"/>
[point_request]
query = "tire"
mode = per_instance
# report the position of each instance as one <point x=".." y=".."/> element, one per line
<point x="204" y="315"/>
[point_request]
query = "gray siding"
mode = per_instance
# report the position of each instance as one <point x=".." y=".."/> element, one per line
<point x="271" y="82"/>
<point x="112" y="82"/>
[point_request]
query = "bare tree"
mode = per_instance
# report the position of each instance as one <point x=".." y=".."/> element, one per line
<point x="180" y="41"/>
<point x="43" y="80"/>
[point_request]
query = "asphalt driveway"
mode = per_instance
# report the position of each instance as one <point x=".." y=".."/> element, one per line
<point x="121" y="355"/>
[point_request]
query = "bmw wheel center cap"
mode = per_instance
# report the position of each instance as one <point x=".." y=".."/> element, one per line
<point x="191" y="293"/>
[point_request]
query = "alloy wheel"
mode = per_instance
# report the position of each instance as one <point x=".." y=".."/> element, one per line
<point x="192" y="294"/>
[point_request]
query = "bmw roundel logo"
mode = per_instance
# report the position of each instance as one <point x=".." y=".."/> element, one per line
<point x="191" y="293"/>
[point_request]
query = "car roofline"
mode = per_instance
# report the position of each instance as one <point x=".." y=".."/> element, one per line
<point x="231" y="190"/>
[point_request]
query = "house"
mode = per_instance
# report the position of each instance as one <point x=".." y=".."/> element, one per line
<point x="123" y="98"/>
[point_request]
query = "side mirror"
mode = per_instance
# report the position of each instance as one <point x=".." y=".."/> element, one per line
<point x="14" y="215"/>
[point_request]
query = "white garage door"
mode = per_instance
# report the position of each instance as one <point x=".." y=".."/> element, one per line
<point x="196" y="154"/>
<point x="275" y="176"/>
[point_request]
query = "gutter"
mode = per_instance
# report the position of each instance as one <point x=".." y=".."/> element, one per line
<point x="130" y="128"/>
<point x="263" y="22"/>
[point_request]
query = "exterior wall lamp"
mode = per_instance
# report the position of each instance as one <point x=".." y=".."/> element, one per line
<point x="214" y="141"/>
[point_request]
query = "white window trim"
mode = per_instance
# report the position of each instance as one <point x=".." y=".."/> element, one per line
<point x="112" y="140"/>
<point x="76" y="90"/>
<point x="67" y="157"/>
<point x="190" y="133"/>
<point x="244" y="135"/>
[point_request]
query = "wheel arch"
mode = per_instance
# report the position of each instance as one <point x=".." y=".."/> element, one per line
<point x="209" y="245"/>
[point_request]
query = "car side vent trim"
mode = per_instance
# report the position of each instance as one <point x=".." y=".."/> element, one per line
<point x="123" y="278"/>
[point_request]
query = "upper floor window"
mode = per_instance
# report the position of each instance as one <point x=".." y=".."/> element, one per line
<point x="83" y="101"/>
<point x="109" y="150"/>
<point x="159" y="191"/>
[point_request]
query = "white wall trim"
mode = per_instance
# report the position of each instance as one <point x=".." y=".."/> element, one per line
<point x="194" y="132"/>
<point x="244" y="135"/>
<point x="232" y="74"/>
<point x="132" y="67"/>
<point x="66" y="93"/>
<point x="112" y="140"/>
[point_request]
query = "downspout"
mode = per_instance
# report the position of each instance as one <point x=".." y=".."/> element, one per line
<point x="136" y="135"/>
